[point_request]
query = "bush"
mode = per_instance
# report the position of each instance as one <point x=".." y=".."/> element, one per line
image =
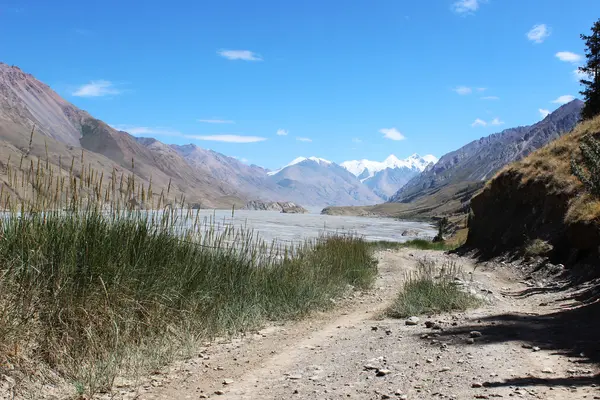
<point x="431" y="290"/>
<point x="588" y="169"/>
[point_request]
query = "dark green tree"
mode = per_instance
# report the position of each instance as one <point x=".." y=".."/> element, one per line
<point x="591" y="73"/>
<point x="442" y="224"/>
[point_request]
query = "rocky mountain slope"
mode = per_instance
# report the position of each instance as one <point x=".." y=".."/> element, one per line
<point x="204" y="177"/>
<point x="387" y="177"/>
<point x="319" y="182"/>
<point x="539" y="198"/>
<point x="481" y="159"/>
<point x="66" y="131"/>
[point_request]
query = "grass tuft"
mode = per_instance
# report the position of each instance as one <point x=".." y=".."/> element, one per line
<point x="420" y="244"/>
<point x="431" y="290"/>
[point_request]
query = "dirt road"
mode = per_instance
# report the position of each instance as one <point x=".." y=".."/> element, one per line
<point x="352" y="352"/>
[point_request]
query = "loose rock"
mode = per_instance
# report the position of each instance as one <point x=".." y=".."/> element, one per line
<point x="412" y="321"/>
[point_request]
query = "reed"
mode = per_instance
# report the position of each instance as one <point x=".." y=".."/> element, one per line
<point x="95" y="282"/>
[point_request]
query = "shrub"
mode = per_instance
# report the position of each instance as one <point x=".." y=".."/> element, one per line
<point x="588" y="169"/>
<point x="429" y="290"/>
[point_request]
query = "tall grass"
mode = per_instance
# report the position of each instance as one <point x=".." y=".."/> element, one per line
<point x="92" y="287"/>
<point x="431" y="290"/>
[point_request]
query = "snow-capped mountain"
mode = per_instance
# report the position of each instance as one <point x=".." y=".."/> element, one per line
<point x="387" y="177"/>
<point x="365" y="169"/>
<point x="299" y="160"/>
<point x="315" y="181"/>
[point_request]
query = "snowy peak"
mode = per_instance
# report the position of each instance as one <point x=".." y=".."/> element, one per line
<point x="298" y="160"/>
<point x="365" y="169"/>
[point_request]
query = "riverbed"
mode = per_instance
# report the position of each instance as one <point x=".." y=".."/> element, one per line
<point x="275" y="226"/>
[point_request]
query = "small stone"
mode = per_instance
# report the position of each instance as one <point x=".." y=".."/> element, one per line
<point x="475" y="334"/>
<point x="547" y="371"/>
<point x="374" y="328"/>
<point x="403" y="397"/>
<point x="369" y="367"/>
<point x="383" y="372"/>
<point x="219" y="392"/>
<point x="412" y="321"/>
<point x="445" y="369"/>
<point x="203" y="396"/>
<point x="386" y="396"/>
<point x="429" y="361"/>
<point x="535" y="348"/>
<point x="227" y="381"/>
<point x="470" y="341"/>
<point x="295" y="377"/>
<point x="388" y="332"/>
<point x="477" y="385"/>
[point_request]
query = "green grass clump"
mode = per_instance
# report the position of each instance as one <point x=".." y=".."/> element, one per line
<point x="420" y="244"/>
<point x="431" y="290"/>
<point x="83" y="292"/>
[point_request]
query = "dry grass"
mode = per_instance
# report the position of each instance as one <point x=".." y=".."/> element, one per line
<point x="93" y="286"/>
<point x="551" y="166"/>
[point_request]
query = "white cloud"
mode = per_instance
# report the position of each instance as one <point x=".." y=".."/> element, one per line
<point x="490" y="98"/>
<point x="543" y="112"/>
<point x="564" y="99"/>
<point x="479" y="122"/>
<point x="303" y="139"/>
<point x="96" y="89"/>
<point x="567" y="56"/>
<point x="282" y="132"/>
<point x="463" y="90"/>
<point x="465" y="6"/>
<point x="356" y="140"/>
<point x="245" y="55"/>
<point x="538" y="33"/>
<point x="496" y="121"/>
<point x="216" y="121"/>
<point x="392" y="134"/>
<point x="481" y="89"/>
<point x="227" y="138"/>
<point x="157" y="131"/>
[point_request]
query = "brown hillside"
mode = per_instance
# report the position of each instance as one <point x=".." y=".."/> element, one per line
<point x="539" y="198"/>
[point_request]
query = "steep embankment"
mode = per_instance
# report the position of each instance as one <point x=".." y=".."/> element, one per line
<point x="539" y="198"/>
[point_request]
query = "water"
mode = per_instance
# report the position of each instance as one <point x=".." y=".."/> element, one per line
<point x="295" y="228"/>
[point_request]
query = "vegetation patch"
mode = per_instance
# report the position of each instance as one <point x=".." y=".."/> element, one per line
<point x="420" y="244"/>
<point x="431" y="290"/>
<point x="92" y="286"/>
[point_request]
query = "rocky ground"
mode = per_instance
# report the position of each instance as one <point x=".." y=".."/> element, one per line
<point x="522" y="343"/>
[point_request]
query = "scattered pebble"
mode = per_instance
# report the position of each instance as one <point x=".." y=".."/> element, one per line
<point x="412" y="321"/>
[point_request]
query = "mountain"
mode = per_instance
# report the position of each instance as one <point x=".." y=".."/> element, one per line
<point x="68" y="132"/>
<point x="479" y="160"/>
<point x="318" y="182"/>
<point x="385" y="178"/>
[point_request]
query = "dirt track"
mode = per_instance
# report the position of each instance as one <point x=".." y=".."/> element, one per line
<point x="337" y="354"/>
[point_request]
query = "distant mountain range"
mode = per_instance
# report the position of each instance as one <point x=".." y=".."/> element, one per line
<point x="385" y="178"/>
<point x="204" y="177"/>
<point x="479" y="160"/>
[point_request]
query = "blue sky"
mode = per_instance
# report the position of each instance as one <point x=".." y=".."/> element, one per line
<point x="336" y="79"/>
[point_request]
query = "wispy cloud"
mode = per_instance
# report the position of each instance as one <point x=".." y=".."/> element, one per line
<point x="97" y="89"/>
<point x="567" y="56"/>
<point x="481" y="89"/>
<point x="496" y="121"/>
<point x="564" y="99"/>
<point x="303" y="139"/>
<point x="463" y="90"/>
<point x="245" y="55"/>
<point x="227" y="138"/>
<point x="478" y="122"/>
<point x="216" y="121"/>
<point x="392" y="134"/>
<point x="158" y="131"/>
<point x="356" y="140"/>
<point x="543" y="112"/>
<point x="539" y="33"/>
<point x="490" y="98"/>
<point x="282" y="132"/>
<point x="466" y="7"/>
